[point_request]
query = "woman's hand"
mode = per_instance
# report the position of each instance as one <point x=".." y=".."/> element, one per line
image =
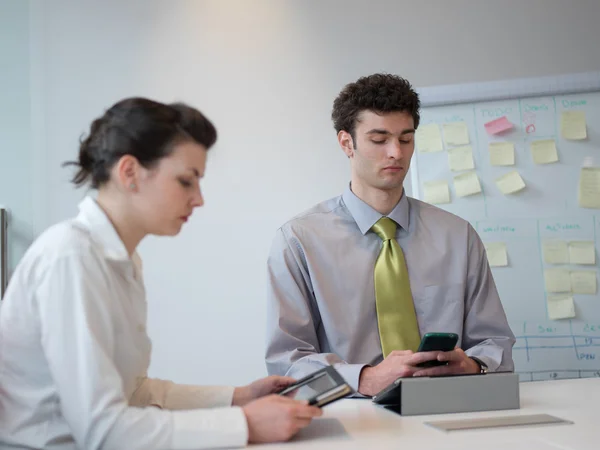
<point x="260" y="388"/>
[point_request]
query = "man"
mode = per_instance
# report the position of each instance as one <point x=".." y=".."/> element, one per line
<point x="356" y="281"/>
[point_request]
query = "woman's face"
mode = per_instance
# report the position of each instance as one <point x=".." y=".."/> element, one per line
<point x="169" y="192"/>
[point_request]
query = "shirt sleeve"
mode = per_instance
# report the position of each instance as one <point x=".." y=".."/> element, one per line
<point x="168" y="395"/>
<point x="292" y="342"/>
<point x="486" y="335"/>
<point x="78" y="337"/>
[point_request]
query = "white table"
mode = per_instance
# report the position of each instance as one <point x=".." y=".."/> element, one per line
<point x="359" y="424"/>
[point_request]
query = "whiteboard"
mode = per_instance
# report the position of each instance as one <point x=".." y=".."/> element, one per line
<point x="546" y="210"/>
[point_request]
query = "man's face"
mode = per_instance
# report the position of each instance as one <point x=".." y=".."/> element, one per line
<point x="382" y="149"/>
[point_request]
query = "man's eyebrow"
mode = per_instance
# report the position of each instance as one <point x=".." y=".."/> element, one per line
<point x="378" y="131"/>
<point x="387" y="133"/>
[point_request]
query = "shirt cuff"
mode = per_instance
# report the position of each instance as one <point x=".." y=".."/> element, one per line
<point x="193" y="397"/>
<point x="491" y="356"/>
<point x="168" y="395"/>
<point x="350" y="373"/>
<point x="214" y="428"/>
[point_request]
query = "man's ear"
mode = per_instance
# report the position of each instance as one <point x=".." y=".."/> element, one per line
<point x="346" y="143"/>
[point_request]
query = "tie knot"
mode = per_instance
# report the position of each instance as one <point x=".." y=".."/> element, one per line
<point x="385" y="228"/>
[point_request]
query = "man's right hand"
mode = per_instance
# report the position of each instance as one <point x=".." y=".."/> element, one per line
<point x="398" y="364"/>
<point x="276" y="418"/>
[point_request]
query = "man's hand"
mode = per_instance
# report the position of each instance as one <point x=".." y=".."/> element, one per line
<point x="458" y="362"/>
<point x="402" y="364"/>
<point x="276" y="418"/>
<point x="265" y="386"/>
<point x="398" y="364"/>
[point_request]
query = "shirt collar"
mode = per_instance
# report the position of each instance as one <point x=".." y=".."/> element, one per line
<point x="365" y="216"/>
<point x="95" y="220"/>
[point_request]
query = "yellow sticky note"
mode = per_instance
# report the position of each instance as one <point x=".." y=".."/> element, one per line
<point x="467" y="184"/>
<point x="461" y="158"/>
<point x="555" y="252"/>
<point x="582" y="252"/>
<point x="502" y="153"/>
<point x="544" y="151"/>
<point x="429" y="138"/>
<point x="572" y="125"/>
<point x="589" y="187"/>
<point x="583" y="282"/>
<point x="510" y="183"/>
<point x="456" y="133"/>
<point x="557" y="280"/>
<point x="560" y="307"/>
<point x="436" y="192"/>
<point x="496" y="254"/>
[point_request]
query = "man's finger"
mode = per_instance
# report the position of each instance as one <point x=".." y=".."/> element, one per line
<point x="421" y="357"/>
<point x="453" y="355"/>
<point x="436" y="371"/>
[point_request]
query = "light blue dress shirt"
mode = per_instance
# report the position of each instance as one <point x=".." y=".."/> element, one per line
<point x="321" y="294"/>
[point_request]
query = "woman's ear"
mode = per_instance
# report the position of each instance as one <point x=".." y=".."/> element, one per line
<point x="127" y="173"/>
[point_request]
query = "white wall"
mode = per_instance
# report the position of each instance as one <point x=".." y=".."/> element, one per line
<point x="266" y="72"/>
<point x="15" y="130"/>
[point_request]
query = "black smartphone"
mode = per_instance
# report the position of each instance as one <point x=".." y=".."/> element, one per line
<point x="441" y="342"/>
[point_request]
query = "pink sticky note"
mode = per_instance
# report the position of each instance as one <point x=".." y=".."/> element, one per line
<point x="498" y="125"/>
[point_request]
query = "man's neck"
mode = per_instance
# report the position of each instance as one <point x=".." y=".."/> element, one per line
<point x="382" y="201"/>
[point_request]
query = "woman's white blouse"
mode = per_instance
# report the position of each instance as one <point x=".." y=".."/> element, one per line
<point x="74" y="354"/>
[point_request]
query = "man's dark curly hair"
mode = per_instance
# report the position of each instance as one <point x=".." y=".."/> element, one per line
<point x="380" y="93"/>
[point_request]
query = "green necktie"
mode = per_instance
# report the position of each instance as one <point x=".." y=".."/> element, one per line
<point x="398" y="327"/>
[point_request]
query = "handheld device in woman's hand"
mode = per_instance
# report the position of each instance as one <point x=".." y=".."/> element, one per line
<point x="441" y="342"/>
<point x="319" y="388"/>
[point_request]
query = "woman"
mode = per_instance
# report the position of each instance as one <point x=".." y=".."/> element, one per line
<point x="74" y="352"/>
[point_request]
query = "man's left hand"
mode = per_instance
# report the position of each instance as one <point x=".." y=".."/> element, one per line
<point x="458" y="362"/>
<point x="260" y="388"/>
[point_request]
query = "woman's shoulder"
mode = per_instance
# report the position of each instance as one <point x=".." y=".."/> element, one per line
<point x="67" y="238"/>
<point x="60" y="242"/>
